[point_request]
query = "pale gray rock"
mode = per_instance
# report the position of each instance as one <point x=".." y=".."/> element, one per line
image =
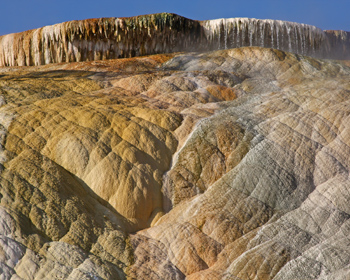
<point x="230" y="164"/>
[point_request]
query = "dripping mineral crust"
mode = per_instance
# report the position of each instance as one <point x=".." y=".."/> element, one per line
<point x="108" y="38"/>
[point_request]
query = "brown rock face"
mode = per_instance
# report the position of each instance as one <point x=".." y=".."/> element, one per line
<point x="339" y="41"/>
<point x="109" y="38"/>
<point x="230" y="164"/>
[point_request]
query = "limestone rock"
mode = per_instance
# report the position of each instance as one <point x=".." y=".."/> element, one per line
<point x="109" y="38"/>
<point x="283" y="120"/>
<point x="230" y="164"/>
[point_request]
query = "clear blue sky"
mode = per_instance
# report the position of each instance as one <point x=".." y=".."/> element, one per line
<point x="21" y="15"/>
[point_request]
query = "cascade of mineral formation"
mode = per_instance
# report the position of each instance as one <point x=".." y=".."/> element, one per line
<point x="108" y="38"/>
<point x="289" y="36"/>
<point x="227" y="164"/>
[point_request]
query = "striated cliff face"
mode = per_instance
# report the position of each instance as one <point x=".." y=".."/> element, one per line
<point x="289" y="36"/>
<point x="109" y="38"/>
<point x="339" y="42"/>
<point x="96" y="39"/>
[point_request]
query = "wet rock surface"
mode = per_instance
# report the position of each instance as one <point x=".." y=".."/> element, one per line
<point x="230" y="164"/>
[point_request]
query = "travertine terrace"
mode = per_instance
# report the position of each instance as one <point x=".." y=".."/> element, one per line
<point x="108" y="38"/>
<point x="228" y="164"/>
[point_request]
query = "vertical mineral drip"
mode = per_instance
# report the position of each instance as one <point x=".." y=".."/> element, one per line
<point x="260" y="34"/>
<point x="256" y="39"/>
<point x="302" y="40"/>
<point x="113" y="38"/>
<point x="283" y="37"/>
<point x="272" y="29"/>
<point x="219" y="31"/>
<point x="289" y="39"/>
<point x="211" y="34"/>
<point x="296" y="39"/>
<point x="76" y="50"/>
<point x="238" y="44"/>
<point x="277" y="38"/>
<point x="225" y="29"/>
<point x="234" y="34"/>
<point x="314" y="38"/>
<point x="47" y="41"/>
<point x="8" y="55"/>
<point x="252" y="32"/>
<point x="251" y="29"/>
<point x="263" y="34"/>
<point x="305" y="32"/>
<point x="244" y="32"/>
<point x="36" y="47"/>
<point x="241" y="34"/>
<point x="229" y="32"/>
<point x="308" y="41"/>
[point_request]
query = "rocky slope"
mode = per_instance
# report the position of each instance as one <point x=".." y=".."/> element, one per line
<point x="232" y="164"/>
<point x="108" y="38"/>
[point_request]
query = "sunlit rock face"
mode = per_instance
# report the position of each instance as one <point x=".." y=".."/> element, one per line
<point x="258" y="190"/>
<point x="339" y="42"/>
<point x="96" y="39"/>
<point x="289" y="36"/>
<point x="108" y="38"/>
<point x="231" y="164"/>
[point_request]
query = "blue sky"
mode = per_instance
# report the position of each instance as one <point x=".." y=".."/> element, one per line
<point x="21" y="15"/>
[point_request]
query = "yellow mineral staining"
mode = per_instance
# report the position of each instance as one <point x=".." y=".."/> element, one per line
<point x="220" y="165"/>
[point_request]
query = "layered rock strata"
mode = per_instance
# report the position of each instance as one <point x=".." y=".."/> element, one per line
<point x="108" y="38"/>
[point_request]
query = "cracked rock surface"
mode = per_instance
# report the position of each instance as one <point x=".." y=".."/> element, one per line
<point x="231" y="164"/>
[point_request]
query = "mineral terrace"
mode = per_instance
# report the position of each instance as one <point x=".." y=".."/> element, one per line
<point x="221" y="153"/>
